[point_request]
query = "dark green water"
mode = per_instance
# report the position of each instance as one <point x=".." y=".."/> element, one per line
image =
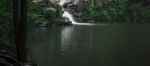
<point x="103" y="45"/>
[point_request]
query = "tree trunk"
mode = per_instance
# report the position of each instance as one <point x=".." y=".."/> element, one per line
<point x="20" y="23"/>
<point x="16" y="14"/>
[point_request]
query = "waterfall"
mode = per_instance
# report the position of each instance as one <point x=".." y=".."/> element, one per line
<point x="69" y="16"/>
<point x="66" y="13"/>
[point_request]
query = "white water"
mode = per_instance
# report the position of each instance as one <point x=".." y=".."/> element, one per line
<point x="69" y="16"/>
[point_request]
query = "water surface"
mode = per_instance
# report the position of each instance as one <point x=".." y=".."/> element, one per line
<point x="100" y="45"/>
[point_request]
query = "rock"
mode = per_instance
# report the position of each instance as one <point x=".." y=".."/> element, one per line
<point x="46" y="24"/>
<point x="7" y="60"/>
<point x="3" y="62"/>
<point x="31" y="64"/>
<point x="76" y="8"/>
<point x="54" y="23"/>
<point x="67" y="23"/>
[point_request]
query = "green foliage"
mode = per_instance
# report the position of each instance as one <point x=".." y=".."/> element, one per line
<point x="117" y="10"/>
<point x="43" y="11"/>
<point x="6" y="24"/>
<point x="34" y="13"/>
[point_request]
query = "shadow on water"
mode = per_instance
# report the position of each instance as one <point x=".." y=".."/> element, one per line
<point x="109" y="45"/>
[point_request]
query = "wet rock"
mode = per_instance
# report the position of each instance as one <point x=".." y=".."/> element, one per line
<point x="31" y="64"/>
<point x="67" y="23"/>
<point x="76" y="8"/>
<point x="54" y="23"/>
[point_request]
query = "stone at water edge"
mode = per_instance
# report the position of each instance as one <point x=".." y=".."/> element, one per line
<point x="31" y="64"/>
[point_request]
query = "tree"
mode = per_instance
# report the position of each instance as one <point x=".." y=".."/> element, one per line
<point x="20" y="23"/>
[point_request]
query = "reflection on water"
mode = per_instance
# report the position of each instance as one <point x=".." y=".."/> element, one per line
<point x="108" y="45"/>
<point x="66" y="36"/>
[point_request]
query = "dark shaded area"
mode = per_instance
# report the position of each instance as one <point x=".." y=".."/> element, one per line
<point x="13" y="51"/>
<point x="16" y="14"/>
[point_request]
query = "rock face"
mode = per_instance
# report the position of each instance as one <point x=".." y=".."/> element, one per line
<point x="77" y="9"/>
<point x="54" y="23"/>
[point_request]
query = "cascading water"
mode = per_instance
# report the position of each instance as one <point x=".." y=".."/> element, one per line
<point x="66" y="13"/>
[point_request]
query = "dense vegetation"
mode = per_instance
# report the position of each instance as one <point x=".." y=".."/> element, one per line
<point x="98" y="10"/>
<point x="119" y="10"/>
<point x="43" y="12"/>
<point x="6" y="24"/>
<point x="38" y="12"/>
